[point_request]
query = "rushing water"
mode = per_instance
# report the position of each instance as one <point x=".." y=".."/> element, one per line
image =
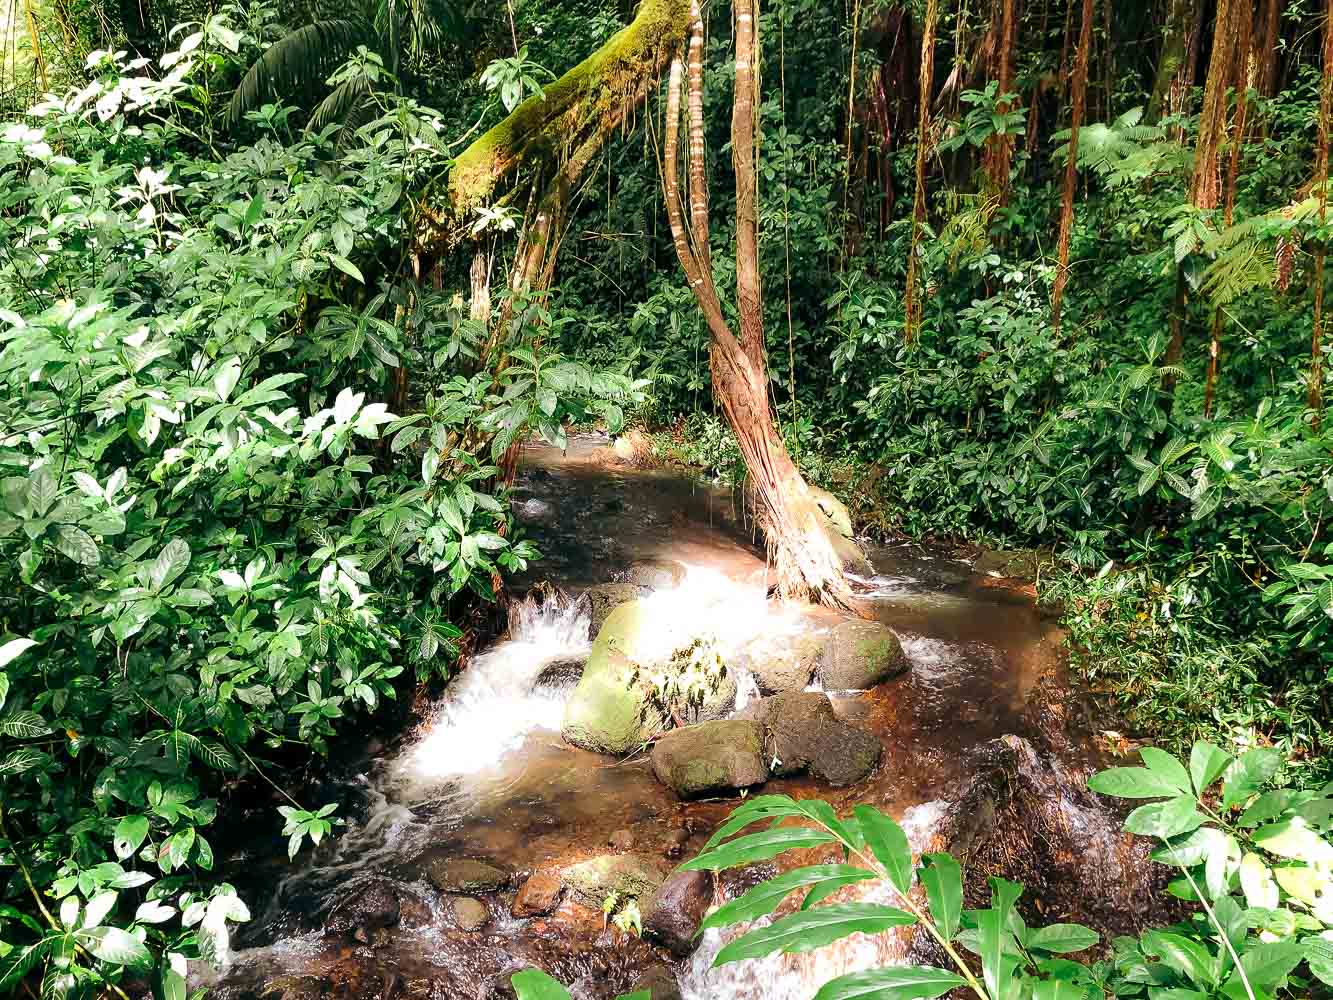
<point x="487" y="776"/>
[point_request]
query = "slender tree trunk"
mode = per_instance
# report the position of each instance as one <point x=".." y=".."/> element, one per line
<point x="1175" y="66"/>
<point x="1080" y="87"/>
<point x="912" y="296"/>
<point x="1266" y="80"/>
<point x="1315" y="394"/>
<point x="803" y="546"/>
<point x="1000" y="148"/>
<point x="1243" y="58"/>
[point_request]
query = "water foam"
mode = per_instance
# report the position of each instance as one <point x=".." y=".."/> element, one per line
<point x="495" y="703"/>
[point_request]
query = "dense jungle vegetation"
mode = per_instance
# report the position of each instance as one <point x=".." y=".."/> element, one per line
<point x="282" y="286"/>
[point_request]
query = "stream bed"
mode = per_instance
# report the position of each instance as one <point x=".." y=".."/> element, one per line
<point x="985" y="752"/>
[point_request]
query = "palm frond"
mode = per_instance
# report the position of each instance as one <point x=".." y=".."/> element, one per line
<point x="298" y="63"/>
<point x="348" y="105"/>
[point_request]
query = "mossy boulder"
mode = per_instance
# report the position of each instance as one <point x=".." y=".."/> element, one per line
<point x="618" y="704"/>
<point x="804" y="735"/>
<point x="605" y="598"/>
<point x="627" y="875"/>
<point x="834" y="509"/>
<point x="465" y="875"/>
<point x="858" y="655"/>
<point x="711" y="758"/>
<point x="784" y="663"/>
<point x="559" y="674"/>
<point x="609" y="711"/>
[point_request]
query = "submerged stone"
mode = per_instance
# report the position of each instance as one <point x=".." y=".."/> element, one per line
<point x="657" y="574"/>
<point x="860" y="654"/>
<point x="449" y="874"/>
<point x="372" y="908"/>
<point x="538" y="895"/>
<point x="558" y="674"/>
<point x="470" y="914"/>
<point x="673" y="915"/>
<point x="659" y="983"/>
<point x="627" y="875"/>
<point x="711" y="757"/>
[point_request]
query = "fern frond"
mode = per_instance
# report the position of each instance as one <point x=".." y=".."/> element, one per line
<point x="298" y="63"/>
<point x="1242" y="268"/>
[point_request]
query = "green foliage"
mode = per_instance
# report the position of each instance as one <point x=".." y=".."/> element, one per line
<point x="1255" y="864"/>
<point x="217" y="543"/>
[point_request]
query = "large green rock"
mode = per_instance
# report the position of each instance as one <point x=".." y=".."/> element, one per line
<point x="834" y="509"/>
<point x="611" y="710"/>
<point x="627" y="875"/>
<point x="858" y="655"/>
<point x="608" y="711"/>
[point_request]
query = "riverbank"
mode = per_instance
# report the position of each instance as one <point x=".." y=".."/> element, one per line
<point x="1139" y="632"/>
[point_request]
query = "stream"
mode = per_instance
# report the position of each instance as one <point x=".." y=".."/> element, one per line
<point x="980" y="730"/>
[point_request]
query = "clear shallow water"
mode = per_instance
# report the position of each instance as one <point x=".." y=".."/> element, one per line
<point x="487" y="776"/>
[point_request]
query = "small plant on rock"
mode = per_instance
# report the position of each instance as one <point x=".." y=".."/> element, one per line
<point x="679" y="688"/>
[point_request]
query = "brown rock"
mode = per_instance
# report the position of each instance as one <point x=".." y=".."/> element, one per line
<point x="464" y="875"/>
<point x="659" y="983"/>
<point x="621" y="840"/>
<point x="675" y="843"/>
<point x="470" y="914"/>
<point x="673" y="915"/>
<point x="711" y="757"/>
<point x="538" y="895"/>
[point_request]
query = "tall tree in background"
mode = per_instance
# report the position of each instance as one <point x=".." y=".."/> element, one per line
<point x="807" y="554"/>
<point x="912" y="296"/>
<point x="1205" y="183"/>
<point x="1080" y="89"/>
<point x="1315" y="394"/>
<point x="1175" y="67"/>
<point x="1244" y="57"/>
<point x="1000" y="147"/>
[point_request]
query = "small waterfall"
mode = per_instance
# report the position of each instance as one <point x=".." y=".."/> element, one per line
<point x="493" y="705"/>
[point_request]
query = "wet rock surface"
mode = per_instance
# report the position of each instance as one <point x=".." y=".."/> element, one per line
<point x="628" y="875"/>
<point x="470" y="914"/>
<point x="675" y="911"/>
<point x="605" y="598"/>
<point x="711" y="758"/>
<point x="804" y="734"/>
<point x="538" y="895"/>
<point x="451" y="874"/>
<point x="860" y="654"/>
<point x="364" y="911"/>
<point x="657" y="574"/>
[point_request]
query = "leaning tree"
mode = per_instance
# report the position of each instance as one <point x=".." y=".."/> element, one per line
<point x="534" y="159"/>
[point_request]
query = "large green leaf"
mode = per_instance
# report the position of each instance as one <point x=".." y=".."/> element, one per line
<point x="1185" y="956"/>
<point x="811" y="929"/>
<point x="1247" y="774"/>
<point x="129" y="836"/>
<point x="765" y="897"/>
<point x="905" y="982"/>
<point x="757" y="847"/>
<point x="24" y="725"/>
<point x="1167" y="767"/>
<point x="1267" y="964"/>
<point x="1207" y="761"/>
<point x="533" y="984"/>
<point x="117" y="946"/>
<point x="943" y="879"/>
<point x="1132" y="783"/>
<point x="1165" y="819"/>
<point x="888" y="842"/>
<point x="14" y="648"/>
<point x="752" y="811"/>
<point x="1063" y="938"/>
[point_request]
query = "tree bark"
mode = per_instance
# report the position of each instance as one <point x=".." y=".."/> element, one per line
<point x="1080" y="89"/>
<point x="803" y="547"/>
<point x="1242" y="84"/>
<point x="1000" y="148"/>
<point x="912" y="295"/>
<point x="1315" y="391"/>
<point x="1175" y="66"/>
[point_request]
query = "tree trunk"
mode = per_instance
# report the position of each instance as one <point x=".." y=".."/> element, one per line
<point x="1000" y="148"/>
<point x="1080" y="88"/>
<point x="807" y="554"/>
<point x="912" y="295"/>
<point x="1175" y="67"/>
<point x="1242" y="83"/>
<point x="1315" y="393"/>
